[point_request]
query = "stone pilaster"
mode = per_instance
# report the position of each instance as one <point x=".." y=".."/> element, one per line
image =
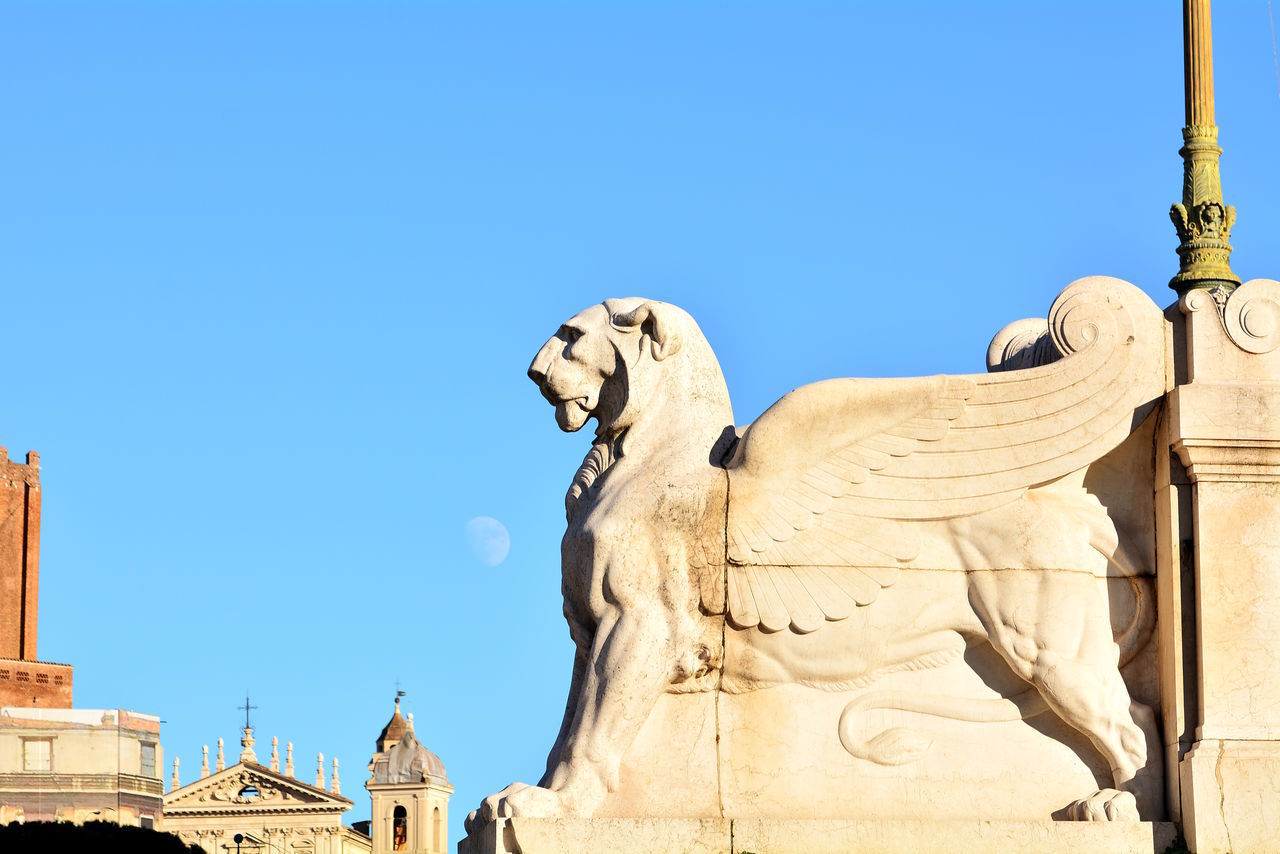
<point x="1224" y="428"/>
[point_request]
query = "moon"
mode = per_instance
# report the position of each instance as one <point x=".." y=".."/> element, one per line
<point x="488" y="539"/>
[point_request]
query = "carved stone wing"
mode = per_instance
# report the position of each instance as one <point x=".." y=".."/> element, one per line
<point x="821" y="484"/>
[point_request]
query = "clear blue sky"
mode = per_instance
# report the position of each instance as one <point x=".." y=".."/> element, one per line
<point x="273" y="274"/>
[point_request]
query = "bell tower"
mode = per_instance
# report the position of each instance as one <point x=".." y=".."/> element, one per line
<point x="24" y="681"/>
<point x="410" y="792"/>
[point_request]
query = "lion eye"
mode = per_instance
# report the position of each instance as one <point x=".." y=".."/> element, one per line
<point x="570" y="334"/>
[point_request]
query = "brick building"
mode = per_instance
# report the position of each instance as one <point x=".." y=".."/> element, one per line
<point x="58" y="763"/>
<point x="24" y="681"/>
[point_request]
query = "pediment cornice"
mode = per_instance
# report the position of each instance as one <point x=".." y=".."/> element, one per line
<point x="275" y="793"/>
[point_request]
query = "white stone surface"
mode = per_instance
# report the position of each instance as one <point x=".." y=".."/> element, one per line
<point x="883" y="597"/>
<point x="954" y="837"/>
<point x="775" y="836"/>
<point x="1231" y="796"/>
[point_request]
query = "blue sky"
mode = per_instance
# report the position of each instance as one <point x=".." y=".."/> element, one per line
<point x="273" y="274"/>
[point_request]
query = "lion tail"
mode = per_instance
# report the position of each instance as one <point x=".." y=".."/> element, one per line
<point x="898" y="745"/>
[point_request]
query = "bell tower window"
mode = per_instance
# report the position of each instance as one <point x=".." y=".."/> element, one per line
<point x="399" y="829"/>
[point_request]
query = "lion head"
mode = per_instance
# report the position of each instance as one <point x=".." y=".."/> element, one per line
<point x="623" y="360"/>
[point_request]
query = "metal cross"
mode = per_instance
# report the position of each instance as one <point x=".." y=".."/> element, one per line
<point x="246" y="707"/>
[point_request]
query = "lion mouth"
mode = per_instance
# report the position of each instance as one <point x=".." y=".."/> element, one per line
<point x="573" y="412"/>
<point x="582" y="402"/>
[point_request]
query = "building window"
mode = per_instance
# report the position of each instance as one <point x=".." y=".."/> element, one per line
<point x="400" y="829"/>
<point x="437" y="843"/>
<point x="148" y="822"/>
<point x="148" y="764"/>
<point x="37" y="754"/>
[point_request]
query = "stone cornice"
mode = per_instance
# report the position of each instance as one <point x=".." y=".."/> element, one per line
<point x="1227" y="460"/>
<point x="1227" y="431"/>
<point x="236" y="810"/>
<point x="30" y="781"/>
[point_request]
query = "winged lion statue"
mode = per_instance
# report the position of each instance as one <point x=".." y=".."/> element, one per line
<point x="857" y="526"/>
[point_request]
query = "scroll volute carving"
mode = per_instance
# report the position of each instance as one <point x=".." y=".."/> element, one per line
<point x="1252" y="316"/>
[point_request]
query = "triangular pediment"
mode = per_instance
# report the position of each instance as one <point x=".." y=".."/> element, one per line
<point x="251" y="788"/>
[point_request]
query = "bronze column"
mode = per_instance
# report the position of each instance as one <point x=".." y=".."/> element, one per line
<point x="1202" y="219"/>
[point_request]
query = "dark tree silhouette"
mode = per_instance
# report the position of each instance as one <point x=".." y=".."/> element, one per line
<point x="39" y="837"/>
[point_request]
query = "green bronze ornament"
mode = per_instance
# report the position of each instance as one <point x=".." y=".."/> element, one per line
<point x="1202" y="220"/>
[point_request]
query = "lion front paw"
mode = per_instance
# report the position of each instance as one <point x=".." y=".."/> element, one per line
<point x="518" y="799"/>
<point x="1105" y="805"/>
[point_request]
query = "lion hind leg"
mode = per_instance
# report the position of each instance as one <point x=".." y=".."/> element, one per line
<point x="1090" y="695"/>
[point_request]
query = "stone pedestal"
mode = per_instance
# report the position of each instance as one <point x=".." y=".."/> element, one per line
<point x="1224" y="427"/>
<point x="780" y="836"/>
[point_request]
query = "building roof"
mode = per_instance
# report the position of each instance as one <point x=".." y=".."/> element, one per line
<point x="393" y="731"/>
<point x="401" y="758"/>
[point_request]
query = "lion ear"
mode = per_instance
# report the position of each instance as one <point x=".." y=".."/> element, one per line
<point x="657" y="321"/>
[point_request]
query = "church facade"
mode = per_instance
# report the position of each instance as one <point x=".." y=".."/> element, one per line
<point x="249" y="808"/>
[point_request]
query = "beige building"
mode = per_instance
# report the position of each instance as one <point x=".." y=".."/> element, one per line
<point x="410" y="793"/>
<point x="249" y="808"/>
<point x="80" y="765"/>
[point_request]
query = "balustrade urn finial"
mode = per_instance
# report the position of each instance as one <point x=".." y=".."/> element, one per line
<point x="247" y="753"/>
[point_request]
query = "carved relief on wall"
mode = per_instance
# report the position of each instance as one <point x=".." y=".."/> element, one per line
<point x="244" y="788"/>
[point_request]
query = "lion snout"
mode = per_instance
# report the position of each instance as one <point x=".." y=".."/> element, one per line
<point x="541" y="364"/>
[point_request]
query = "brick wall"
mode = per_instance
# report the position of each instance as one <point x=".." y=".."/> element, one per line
<point x="35" y="683"/>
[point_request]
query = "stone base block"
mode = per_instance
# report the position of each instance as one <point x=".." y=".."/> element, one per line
<point x="603" y="835"/>
<point x="779" y="836"/>
<point x="1231" y="796"/>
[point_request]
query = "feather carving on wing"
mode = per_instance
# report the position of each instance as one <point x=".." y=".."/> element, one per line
<point x="821" y="483"/>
